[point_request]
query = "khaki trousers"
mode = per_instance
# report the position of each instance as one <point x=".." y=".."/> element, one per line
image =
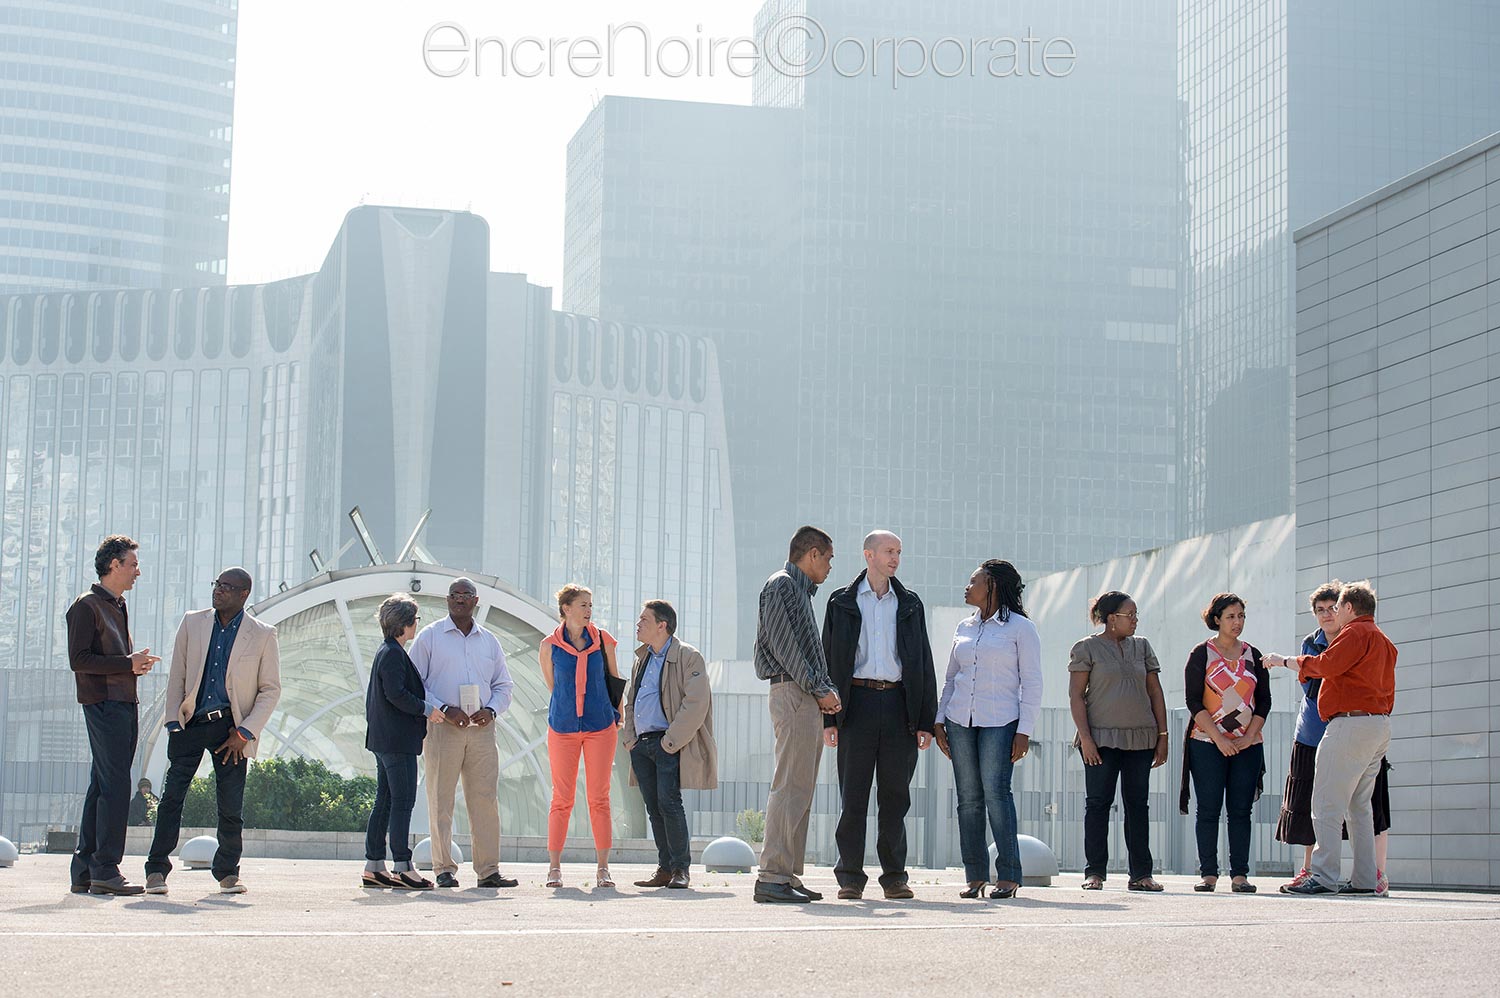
<point x="1349" y="756"/>
<point x="470" y="754"/>
<point x="797" y="724"/>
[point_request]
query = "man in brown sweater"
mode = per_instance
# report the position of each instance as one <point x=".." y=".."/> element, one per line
<point x="105" y="670"/>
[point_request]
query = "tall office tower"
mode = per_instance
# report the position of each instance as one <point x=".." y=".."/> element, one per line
<point x="115" y="136"/>
<point x="1295" y="109"/>
<point x="949" y="302"/>
<point x="683" y="216"/>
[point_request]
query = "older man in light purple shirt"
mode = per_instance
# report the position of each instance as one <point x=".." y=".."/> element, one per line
<point x="463" y="668"/>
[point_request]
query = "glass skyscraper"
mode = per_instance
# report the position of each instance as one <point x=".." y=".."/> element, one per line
<point x="680" y="216"/>
<point x="115" y="136"/>
<point x="947" y="308"/>
<point x="1293" y="110"/>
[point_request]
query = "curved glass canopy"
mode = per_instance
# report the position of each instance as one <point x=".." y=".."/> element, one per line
<point x="328" y="635"/>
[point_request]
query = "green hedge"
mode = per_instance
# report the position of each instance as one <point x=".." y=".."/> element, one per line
<point x="298" y="794"/>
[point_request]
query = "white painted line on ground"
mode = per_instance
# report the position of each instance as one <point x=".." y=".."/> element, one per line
<point x="678" y="930"/>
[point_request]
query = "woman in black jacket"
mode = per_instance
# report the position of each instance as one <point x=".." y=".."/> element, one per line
<point x="397" y="714"/>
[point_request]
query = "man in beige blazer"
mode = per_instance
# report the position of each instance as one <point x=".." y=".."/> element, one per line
<point x="224" y="682"/>
<point x="668" y="729"/>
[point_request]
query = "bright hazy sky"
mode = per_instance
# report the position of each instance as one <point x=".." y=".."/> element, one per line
<point x="334" y="105"/>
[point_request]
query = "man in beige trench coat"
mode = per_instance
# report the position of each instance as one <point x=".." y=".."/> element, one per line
<point x="668" y="730"/>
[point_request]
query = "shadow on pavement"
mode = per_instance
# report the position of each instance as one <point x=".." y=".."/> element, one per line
<point x="884" y="909"/>
<point x="471" y="895"/>
<point x="678" y="896"/>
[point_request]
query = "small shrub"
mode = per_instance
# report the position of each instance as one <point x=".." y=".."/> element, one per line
<point x="297" y="794"/>
<point x="752" y="824"/>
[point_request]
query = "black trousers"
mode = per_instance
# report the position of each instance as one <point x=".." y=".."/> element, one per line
<point x="185" y="750"/>
<point x="1131" y="769"/>
<point x="874" y="743"/>
<point x="112" y="726"/>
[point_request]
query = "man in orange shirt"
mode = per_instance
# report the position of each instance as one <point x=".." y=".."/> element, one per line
<point x="1358" y="692"/>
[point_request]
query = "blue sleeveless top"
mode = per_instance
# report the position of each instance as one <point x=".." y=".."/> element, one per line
<point x="562" y="712"/>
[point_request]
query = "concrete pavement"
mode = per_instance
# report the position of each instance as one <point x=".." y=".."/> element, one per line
<point x="305" y="927"/>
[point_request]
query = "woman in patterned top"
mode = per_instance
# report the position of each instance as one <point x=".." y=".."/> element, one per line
<point x="1228" y="695"/>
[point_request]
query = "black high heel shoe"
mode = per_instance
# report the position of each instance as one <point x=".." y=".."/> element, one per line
<point x="378" y="879"/>
<point x="976" y="889"/>
<point x="410" y="880"/>
<point x="1001" y="893"/>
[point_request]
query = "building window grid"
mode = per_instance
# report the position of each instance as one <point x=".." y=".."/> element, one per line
<point x="42" y="476"/>
<point x="582" y="520"/>
<point x="13" y="545"/>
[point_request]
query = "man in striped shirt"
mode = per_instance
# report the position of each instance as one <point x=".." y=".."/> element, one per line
<point x="789" y="654"/>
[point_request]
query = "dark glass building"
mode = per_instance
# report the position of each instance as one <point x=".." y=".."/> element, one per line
<point x="947" y="308"/>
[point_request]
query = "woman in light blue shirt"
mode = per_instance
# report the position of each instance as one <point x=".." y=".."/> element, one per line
<point x="991" y="699"/>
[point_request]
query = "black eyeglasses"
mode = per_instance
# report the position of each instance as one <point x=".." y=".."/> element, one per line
<point x="229" y="587"/>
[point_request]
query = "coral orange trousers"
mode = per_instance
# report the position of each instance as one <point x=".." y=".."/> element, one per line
<point x="598" y="751"/>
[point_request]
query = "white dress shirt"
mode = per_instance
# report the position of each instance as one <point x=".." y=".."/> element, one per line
<point x="876" y="657"/>
<point x="994" y="674"/>
<point x="446" y="659"/>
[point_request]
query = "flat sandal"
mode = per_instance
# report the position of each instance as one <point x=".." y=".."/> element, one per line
<point x="1093" y="883"/>
<point x="1148" y="884"/>
<point x="602" y="878"/>
<point x="554" y="877"/>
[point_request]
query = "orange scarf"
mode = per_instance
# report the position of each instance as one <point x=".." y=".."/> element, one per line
<point x="596" y="641"/>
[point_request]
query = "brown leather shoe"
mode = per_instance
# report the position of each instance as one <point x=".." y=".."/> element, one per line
<point x="899" y="892"/>
<point x="661" y="878"/>
<point x="680" y="880"/>
<point x="115" y="885"/>
<point x="850" y="893"/>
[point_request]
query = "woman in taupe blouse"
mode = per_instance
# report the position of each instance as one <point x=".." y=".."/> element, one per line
<point x="1115" y="693"/>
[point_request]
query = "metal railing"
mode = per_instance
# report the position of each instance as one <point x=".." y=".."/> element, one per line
<point x="1048" y="784"/>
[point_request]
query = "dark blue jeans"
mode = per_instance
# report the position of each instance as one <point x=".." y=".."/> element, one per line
<point x="1222" y="781"/>
<point x="113" y="727"/>
<point x="185" y="750"/>
<point x="1130" y="770"/>
<point x="395" y="796"/>
<point x="981" y="774"/>
<point x="659" y="775"/>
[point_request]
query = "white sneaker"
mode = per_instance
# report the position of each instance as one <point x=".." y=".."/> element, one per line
<point x="231" y="885"/>
<point x="156" y="883"/>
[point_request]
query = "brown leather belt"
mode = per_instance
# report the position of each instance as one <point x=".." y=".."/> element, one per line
<point x="1358" y="713"/>
<point x="876" y="684"/>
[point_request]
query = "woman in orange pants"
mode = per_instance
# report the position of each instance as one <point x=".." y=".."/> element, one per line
<point x="581" y="720"/>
